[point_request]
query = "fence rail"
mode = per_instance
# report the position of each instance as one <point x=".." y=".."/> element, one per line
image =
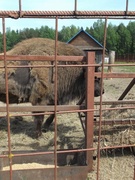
<point x="125" y="58"/>
<point x="68" y="14"/>
<point x="66" y="172"/>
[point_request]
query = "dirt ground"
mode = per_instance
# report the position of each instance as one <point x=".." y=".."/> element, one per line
<point x="114" y="164"/>
<point x="118" y="163"/>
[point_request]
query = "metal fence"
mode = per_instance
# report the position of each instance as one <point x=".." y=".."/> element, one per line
<point x="125" y="58"/>
<point x="103" y="112"/>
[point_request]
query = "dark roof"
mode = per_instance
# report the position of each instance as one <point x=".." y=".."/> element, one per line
<point x="87" y="35"/>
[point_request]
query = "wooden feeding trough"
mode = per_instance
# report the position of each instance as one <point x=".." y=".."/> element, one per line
<point x="41" y="167"/>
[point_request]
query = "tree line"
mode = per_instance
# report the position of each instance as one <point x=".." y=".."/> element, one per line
<point x="120" y="38"/>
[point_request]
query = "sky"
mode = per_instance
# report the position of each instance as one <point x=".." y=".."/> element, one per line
<point x="65" y="5"/>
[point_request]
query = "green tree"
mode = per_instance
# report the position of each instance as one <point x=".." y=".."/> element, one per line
<point x="27" y="33"/>
<point x="119" y="38"/>
<point x="124" y="40"/>
<point x="97" y="30"/>
<point x="8" y="39"/>
<point x="67" y="33"/>
<point x="74" y="30"/>
<point x="131" y="28"/>
<point x="112" y="37"/>
<point x="46" y="32"/>
<point x="12" y="38"/>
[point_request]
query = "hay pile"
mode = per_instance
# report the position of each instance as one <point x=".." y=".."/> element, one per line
<point x="43" y="46"/>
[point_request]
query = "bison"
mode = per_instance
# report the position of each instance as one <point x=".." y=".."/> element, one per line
<point x="35" y="85"/>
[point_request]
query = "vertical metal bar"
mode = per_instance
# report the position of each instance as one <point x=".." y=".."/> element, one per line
<point x="126" y="7"/>
<point x="134" y="170"/>
<point x="75" y="5"/>
<point x="55" y="107"/>
<point x="7" y="97"/>
<point x="100" y="108"/>
<point x="20" y="5"/>
<point x="90" y="105"/>
<point x="20" y="8"/>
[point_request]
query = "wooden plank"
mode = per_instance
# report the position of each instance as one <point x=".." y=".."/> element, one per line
<point x="64" y="173"/>
<point x="46" y="171"/>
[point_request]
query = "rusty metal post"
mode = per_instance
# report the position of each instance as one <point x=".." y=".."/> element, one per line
<point x="75" y="5"/>
<point x="100" y="109"/>
<point x="131" y="84"/>
<point x="126" y="6"/>
<point x="134" y="170"/>
<point x="55" y="107"/>
<point x="7" y="98"/>
<point x="89" y="105"/>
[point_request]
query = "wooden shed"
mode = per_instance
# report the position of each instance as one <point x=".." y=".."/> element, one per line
<point x="86" y="42"/>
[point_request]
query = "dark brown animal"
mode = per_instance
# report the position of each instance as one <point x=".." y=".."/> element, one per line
<point x="35" y="85"/>
<point x="71" y="89"/>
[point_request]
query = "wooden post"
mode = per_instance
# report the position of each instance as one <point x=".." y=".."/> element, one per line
<point x="90" y="105"/>
<point x="111" y="60"/>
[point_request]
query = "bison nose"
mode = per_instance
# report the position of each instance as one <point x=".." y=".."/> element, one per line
<point x="97" y="93"/>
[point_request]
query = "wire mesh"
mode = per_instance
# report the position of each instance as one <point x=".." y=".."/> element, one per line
<point x="112" y="138"/>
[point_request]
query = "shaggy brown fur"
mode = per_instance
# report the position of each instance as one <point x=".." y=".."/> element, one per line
<point x="34" y="46"/>
<point x="34" y="85"/>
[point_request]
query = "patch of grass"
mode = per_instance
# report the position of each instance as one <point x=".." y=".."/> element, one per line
<point x="126" y="68"/>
